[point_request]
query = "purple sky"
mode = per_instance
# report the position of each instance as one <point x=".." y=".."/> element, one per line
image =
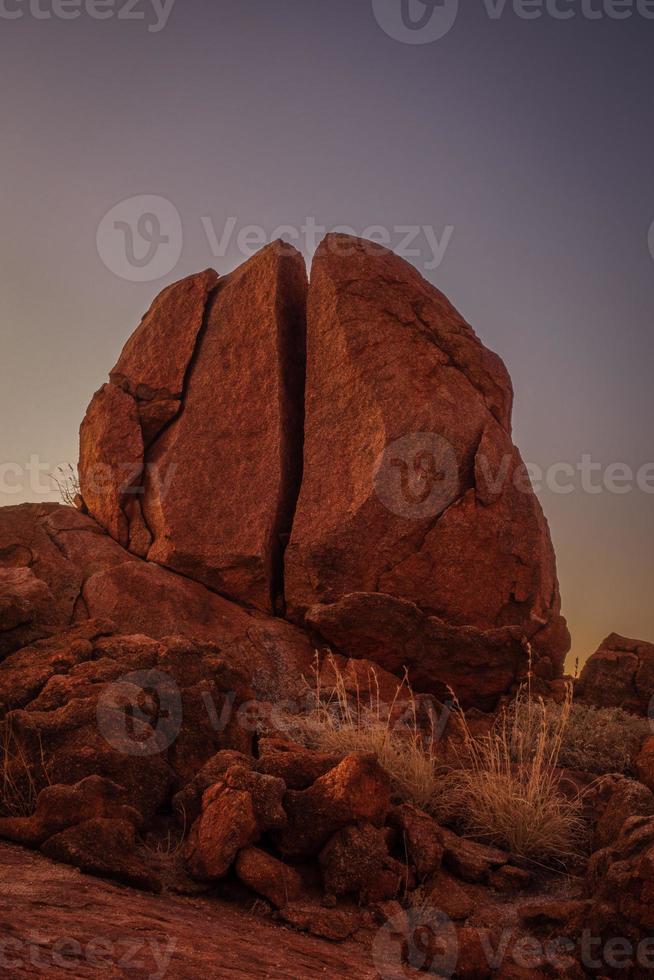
<point x="524" y="145"/>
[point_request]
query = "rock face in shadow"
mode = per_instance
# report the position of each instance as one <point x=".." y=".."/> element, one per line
<point x="342" y="457"/>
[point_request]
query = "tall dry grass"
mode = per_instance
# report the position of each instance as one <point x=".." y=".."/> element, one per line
<point x="503" y="788"/>
<point x="339" y="723"/>
<point x="21" y="779"/>
<point x="507" y="788"/>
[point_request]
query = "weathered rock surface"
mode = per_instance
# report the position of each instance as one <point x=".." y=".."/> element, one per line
<point x="356" y="790"/>
<point x="60" y="807"/>
<point x="620" y="674"/>
<point x="479" y="665"/>
<point x="88" y="576"/>
<point x="199" y="434"/>
<point x="223" y="478"/>
<point x="95" y="928"/>
<point x="621" y="882"/>
<point x="268" y="877"/>
<point x="412" y="487"/>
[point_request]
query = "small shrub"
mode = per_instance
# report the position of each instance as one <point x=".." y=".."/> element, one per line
<point x="601" y="740"/>
<point x="66" y="481"/>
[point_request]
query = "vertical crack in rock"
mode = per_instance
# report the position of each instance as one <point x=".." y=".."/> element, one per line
<point x="291" y="345"/>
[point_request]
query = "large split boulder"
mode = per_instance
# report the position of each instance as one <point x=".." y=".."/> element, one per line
<point x="342" y="456"/>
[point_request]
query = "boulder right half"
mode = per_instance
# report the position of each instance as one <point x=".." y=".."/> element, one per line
<point x="412" y="487"/>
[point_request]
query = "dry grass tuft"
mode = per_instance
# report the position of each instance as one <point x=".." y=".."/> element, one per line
<point x="507" y="790"/>
<point x="66" y="481"/>
<point x="338" y="723"/>
<point x="20" y="779"/>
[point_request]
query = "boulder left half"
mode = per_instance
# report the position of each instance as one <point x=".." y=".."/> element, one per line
<point x="192" y="456"/>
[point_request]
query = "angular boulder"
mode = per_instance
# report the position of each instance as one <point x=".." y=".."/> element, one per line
<point x="357" y="790"/>
<point x="620" y="674"/>
<point x="268" y="877"/>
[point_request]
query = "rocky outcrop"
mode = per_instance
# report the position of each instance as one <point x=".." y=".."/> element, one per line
<point x="621" y="882"/>
<point x="383" y="495"/>
<point x="620" y="674"/>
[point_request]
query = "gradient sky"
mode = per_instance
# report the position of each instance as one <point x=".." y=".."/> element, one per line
<point x="532" y="139"/>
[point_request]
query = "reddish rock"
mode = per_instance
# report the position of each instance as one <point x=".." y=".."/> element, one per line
<point x="268" y="877"/>
<point x="352" y="859"/>
<point x="61" y="807"/>
<point x="469" y="860"/>
<point x="334" y="924"/>
<point x="267" y="794"/>
<point x="356" y="790"/>
<point x="479" y="665"/>
<point x="187" y="803"/>
<point x="644" y="763"/>
<point x="26" y="606"/>
<point x="111" y="458"/>
<point x="620" y="674"/>
<point x="448" y="895"/>
<point x="620" y="881"/>
<point x="105" y="847"/>
<point x="628" y="799"/>
<point x="227" y="824"/>
<point x="184" y="938"/>
<point x="154" y="361"/>
<point x="223" y="477"/>
<point x="407" y="424"/>
<point x="509" y="880"/>
<point x="421" y="839"/>
<point x="298" y="766"/>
